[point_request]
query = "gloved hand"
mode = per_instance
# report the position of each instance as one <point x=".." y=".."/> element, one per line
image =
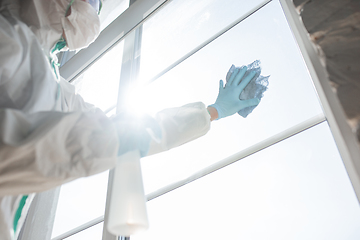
<point x="228" y="101"/>
<point x="136" y="132"/>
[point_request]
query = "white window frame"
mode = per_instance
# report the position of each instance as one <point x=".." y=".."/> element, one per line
<point x="343" y="136"/>
<point x="132" y="17"/>
<point x="140" y="10"/>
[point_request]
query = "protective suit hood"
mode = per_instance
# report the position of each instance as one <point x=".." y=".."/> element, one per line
<point x="46" y="19"/>
<point x="82" y="26"/>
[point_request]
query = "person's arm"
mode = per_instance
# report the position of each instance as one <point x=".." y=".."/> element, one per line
<point x="184" y="124"/>
<point x="180" y="125"/>
<point x="44" y="150"/>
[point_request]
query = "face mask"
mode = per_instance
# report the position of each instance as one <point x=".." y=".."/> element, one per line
<point x="82" y="26"/>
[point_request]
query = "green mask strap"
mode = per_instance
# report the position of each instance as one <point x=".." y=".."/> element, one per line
<point x="57" y="48"/>
<point x="18" y="212"/>
<point x="101" y="5"/>
<point x="59" y="45"/>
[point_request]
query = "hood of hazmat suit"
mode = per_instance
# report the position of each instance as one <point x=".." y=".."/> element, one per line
<point x="48" y="21"/>
<point x="82" y="26"/>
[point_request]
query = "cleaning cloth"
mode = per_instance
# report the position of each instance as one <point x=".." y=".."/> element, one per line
<point x="256" y="87"/>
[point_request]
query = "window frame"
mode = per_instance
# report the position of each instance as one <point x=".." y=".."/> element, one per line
<point x="132" y="17"/>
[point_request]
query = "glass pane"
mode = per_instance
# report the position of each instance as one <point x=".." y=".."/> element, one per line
<point x="93" y="233"/>
<point x="290" y="99"/>
<point x="80" y="201"/>
<point x="111" y="10"/>
<point x="181" y="26"/>
<point x="296" y="189"/>
<point x="99" y="85"/>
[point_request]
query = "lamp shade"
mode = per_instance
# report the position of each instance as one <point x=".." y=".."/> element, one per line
<point x="127" y="213"/>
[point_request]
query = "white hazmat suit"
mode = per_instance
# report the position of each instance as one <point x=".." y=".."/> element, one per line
<point x="49" y="135"/>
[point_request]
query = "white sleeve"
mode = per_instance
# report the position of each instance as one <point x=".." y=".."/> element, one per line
<point x="42" y="150"/>
<point x="46" y="149"/>
<point x="181" y="125"/>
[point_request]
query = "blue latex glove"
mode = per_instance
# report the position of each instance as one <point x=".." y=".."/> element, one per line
<point x="136" y="132"/>
<point x="228" y="101"/>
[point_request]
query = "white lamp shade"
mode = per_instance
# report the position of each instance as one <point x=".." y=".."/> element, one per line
<point x="127" y="214"/>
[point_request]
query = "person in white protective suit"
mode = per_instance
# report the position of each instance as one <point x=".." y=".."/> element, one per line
<point x="50" y="136"/>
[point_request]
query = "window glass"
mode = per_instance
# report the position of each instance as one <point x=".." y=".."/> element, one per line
<point x="111" y="10"/>
<point x="93" y="233"/>
<point x="182" y="25"/>
<point x="296" y="189"/>
<point x="99" y="85"/>
<point x="289" y="100"/>
<point x="80" y="201"/>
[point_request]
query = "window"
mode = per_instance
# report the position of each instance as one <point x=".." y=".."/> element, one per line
<point x="197" y="78"/>
<point x="295" y="189"/>
<point x="99" y="85"/>
<point x="277" y="174"/>
<point x="182" y="26"/>
<point x="110" y="10"/>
